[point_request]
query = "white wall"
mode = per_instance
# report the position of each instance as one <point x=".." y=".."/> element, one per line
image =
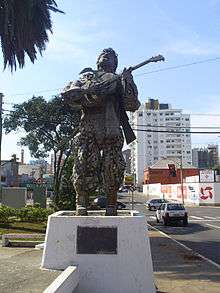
<point x="194" y="192"/>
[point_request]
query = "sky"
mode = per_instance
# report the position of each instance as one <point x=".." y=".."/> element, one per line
<point x="183" y="32"/>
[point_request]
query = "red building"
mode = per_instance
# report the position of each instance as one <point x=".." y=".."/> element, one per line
<point x="168" y="171"/>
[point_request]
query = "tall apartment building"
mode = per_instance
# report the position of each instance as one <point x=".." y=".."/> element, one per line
<point x="207" y="157"/>
<point x="151" y="123"/>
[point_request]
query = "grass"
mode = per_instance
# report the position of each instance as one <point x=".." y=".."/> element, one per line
<point x="22" y="227"/>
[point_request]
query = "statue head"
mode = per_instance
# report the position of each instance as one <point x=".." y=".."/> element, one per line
<point x="107" y="60"/>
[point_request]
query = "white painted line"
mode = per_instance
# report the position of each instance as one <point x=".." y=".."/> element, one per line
<point x="211" y="218"/>
<point x="195" y="217"/>
<point x="213" y="226"/>
<point x="210" y="207"/>
<point x="186" y="247"/>
<point x="204" y="220"/>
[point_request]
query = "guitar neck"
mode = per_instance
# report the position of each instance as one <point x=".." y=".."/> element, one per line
<point x="141" y="64"/>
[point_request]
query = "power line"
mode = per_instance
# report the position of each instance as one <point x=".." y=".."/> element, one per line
<point x="140" y="74"/>
<point x="142" y="125"/>
<point x="179" y="66"/>
<point x="177" y="127"/>
<point x="35" y="92"/>
<point x="176" y="131"/>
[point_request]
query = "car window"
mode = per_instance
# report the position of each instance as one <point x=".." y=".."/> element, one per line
<point x="174" y="206"/>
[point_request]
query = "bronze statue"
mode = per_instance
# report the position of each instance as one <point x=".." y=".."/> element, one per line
<point x="104" y="97"/>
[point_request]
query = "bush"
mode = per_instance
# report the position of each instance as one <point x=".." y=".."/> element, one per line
<point x="6" y="213"/>
<point x="34" y="214"/>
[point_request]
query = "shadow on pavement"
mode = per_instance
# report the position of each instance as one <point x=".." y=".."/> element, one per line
<point x="179" y="229"/>
<point x="172" y="261"/>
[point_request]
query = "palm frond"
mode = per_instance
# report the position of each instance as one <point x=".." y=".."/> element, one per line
<point x="24" y="26"/>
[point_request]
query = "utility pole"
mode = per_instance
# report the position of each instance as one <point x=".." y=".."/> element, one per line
<point x="181" y="178"/>
<point x="1" y="102"/>
<point x="132" y="191"/>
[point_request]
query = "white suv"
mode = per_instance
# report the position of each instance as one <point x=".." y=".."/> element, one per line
<point x="170" y="212"/>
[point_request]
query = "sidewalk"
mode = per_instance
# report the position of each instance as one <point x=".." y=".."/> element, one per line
<point x="176" y="269"/>
<point x="20" y="271"/>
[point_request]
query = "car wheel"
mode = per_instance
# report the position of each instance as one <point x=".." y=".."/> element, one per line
<point x="185" y="222"/>
<point x="149" y="208"/>
<point x="165" y="221"/>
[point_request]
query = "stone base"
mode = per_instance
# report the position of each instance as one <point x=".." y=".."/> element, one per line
<point x="112" y="252"/>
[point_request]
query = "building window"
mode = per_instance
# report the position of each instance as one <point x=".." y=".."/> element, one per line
<point x="140" y="114"/>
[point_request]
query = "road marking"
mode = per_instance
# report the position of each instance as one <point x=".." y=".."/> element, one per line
<point x="186" y="247"/>
<point x="214" y="226"/>
<point x="204" y="220"/>
<point x="211" y="218"/>
<point x="195" y="217"/>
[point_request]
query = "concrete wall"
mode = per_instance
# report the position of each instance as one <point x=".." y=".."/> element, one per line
<point x="14" y="196"/>
<point x="128" y="270"/>
<point x="193" y="192"/>
<point x="66" y="282"/>
<point x="39" y="195"/>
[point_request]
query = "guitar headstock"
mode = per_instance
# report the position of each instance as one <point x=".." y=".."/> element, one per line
<point x="157" y="58"/>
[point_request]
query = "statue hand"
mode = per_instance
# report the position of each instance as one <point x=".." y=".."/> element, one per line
<point x="127" y="73"/>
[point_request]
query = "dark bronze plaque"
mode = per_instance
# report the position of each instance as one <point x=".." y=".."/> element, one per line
<point x="93" y="240"/>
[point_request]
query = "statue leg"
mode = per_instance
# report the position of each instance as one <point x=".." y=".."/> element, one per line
<point x="113" y="172"/>
<point x="85" y="170"/>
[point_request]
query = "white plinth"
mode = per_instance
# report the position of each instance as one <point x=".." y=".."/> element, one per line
<point x="128" y="271"/>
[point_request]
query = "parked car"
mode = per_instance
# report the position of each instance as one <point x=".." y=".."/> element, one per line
<point x="123" y="189"/>
<point x="102" y="200"/>
<point x="155" y="203"/>
<point x="172" y="212"/>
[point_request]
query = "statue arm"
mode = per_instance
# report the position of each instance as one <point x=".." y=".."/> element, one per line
<point x="97" y="91"/>
<point x="130" y="91"/>
<point x="73" y="92"/>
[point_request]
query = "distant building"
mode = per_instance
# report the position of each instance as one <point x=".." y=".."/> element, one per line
<point x="127" y="158"/>
<point x="9" y="173"/>
<point x="151" y="122"/>
<point x="160" y="172"/>
<point x="205" y="158"/>
<point x="27" y="170"/>
<point x="213" y="155"/>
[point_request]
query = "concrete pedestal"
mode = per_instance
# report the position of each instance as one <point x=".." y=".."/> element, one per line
<point x="112" y="253"/>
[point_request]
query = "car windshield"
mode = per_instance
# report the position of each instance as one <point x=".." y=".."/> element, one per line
<point x="171" y="207"/>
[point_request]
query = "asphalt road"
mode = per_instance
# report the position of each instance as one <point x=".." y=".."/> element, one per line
<point x="202" y="234"/>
